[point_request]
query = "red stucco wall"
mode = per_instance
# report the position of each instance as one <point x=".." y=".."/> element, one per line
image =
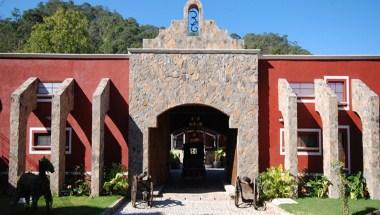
<point x="306" y="71"/>
<point x="87" y="74"/>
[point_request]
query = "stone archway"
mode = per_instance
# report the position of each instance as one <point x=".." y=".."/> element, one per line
<point x="210" y="69"/>
<point x="224" y="80"/>
<point x="179" y="120"/>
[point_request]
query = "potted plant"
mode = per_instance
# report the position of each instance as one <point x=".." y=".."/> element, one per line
<point x="218" y="155"/>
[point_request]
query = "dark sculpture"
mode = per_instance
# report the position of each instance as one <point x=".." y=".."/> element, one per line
<point x="142" y="186"/>
<point x="35" y="186"/>
<point x="193" y="156"/>
<point x="249" y="192"/>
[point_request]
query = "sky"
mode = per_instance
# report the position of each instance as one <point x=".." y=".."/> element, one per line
<point x="323" y="27"/>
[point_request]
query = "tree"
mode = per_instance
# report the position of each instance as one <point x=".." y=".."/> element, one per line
<point x="63" y="32"/>
<point x="272" y="43"/>
<point x="107" y="31"/>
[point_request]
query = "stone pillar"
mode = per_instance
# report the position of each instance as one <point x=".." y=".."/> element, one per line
<point x="326" y="103"/>
<point x="23" y="101"/>
<point x="100" y="106"/>
<point x="365" y="103"/>
<point x="287" y="102"/>
<point x="62" y="105"/>
<point x="247" y="147"/>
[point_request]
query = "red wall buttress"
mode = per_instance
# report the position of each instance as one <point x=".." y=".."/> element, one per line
<point x="87" y="74"/>
<point x="270" y="70"/>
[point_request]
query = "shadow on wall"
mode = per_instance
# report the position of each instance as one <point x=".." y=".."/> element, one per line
<point x="43" y="113"/>
<point x="135" y="149"/>
<point x="79" y="120"/>
<point x="264" y="137"/>
<point x="4" y="150"/>
<point x="356" y="141"/>
<point x="3" y="174"/>
<point x="231" y="162"/>
<point x="1" y="106"/>
<point x="306" y="120"/>
<point x="82" y="111"/>
<point x="112" y="149"/>
<point x="116" y="127"/>
<point x="3" y="164"/>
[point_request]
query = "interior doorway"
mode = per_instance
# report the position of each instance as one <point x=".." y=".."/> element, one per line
<point x="192" y="148"/>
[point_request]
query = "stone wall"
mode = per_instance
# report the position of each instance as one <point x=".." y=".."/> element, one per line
<point x="23" y="101"/>
<point x="225" y="81"/>
<point x="326" y="103"/>
<point x="62" y="105"/>
<point x="100" y="106"/>
<point x="365" y="102"/>
<point x="287" y="101"/>
<point x="209" y="68"/>
<point x="177" y="36"/>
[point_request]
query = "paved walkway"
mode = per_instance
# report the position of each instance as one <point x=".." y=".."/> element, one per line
<point x="165" y="206"/>
<point x="206" y="196"/>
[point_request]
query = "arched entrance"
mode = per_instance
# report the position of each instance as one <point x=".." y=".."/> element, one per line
<point x="193" y="142"/>
<point x="177" y="68"/>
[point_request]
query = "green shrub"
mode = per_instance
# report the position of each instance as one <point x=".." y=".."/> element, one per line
<point x="76" y="184"/>
<point x="218" y="154"/>
<point x="356" y="186"/>
<point x="80" y="188"/>
<point x="317" y="187"/>
<point x="117" y="185"/>
<point x="110" y="172"/>
<point x="277" y="183"/>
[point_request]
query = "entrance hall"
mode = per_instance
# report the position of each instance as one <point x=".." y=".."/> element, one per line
<point x="192" y="150"/>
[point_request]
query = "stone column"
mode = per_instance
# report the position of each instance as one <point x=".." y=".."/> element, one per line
<point x="248" y="150"/>
<point x="100" y="106"/>
<point x="365" y="103"/>
<point x="326" y="103"/>
<point x="287" y="102"/>
<point x="62" y="105"/>
<point x="23" y="101"/>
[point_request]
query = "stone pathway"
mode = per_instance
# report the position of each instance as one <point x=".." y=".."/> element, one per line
<point x="168" y="206"/>
<point x="196" y="198"/>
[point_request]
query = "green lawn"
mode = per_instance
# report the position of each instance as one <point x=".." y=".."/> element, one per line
<point x="315" y="206"/>
<point x="63" y="205"/>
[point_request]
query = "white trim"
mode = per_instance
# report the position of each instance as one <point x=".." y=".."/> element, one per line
<point x="347" y="127"/>
<point x="316" y="130"/>
<point x="47" y="97"/>
<point x="174" y="139"/>
<point x="347" y="81"/>
<point x="45" y="152"/>
<point x="305" y="100"/>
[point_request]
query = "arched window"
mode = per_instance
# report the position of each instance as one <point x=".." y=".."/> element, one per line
<point x="193" y="20"/>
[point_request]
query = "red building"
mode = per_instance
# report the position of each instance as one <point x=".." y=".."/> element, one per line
<point x="155" y="90"/>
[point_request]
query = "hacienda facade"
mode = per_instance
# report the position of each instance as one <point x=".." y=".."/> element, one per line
<point x="304" y="112"/>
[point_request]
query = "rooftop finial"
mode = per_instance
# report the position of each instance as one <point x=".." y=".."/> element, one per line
<point x="193" y="4"/>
